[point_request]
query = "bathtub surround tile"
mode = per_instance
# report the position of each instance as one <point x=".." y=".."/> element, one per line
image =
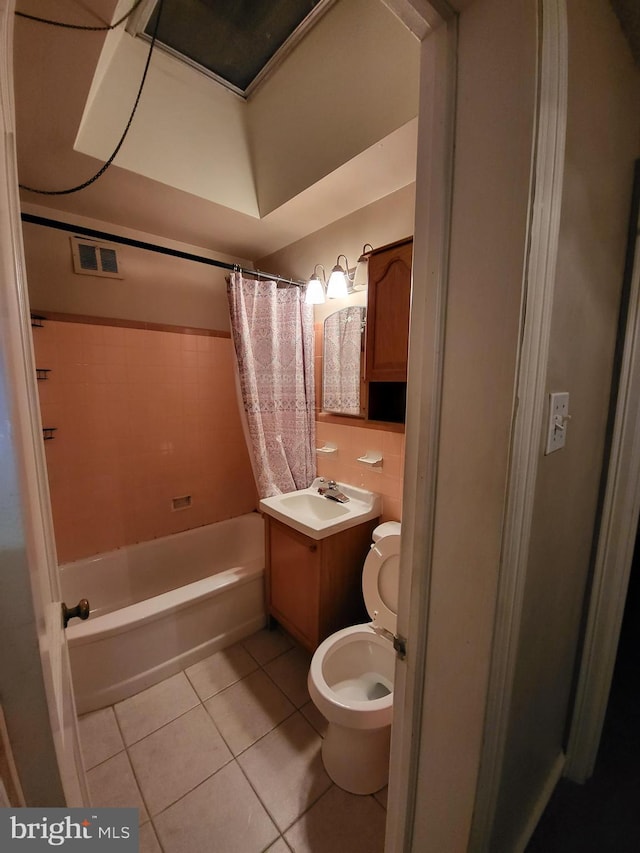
<point x="220" y="670"/>
<point x="285" y="770"/>
<point x="147" y="711"/>
<point x="248" y="710"/>
<point x="221" y="814"/>
<point x="112" y="784"/>
<point x="99" y="736"/>
<point x="289" y="671"/>
<point x="176" y="758"/>
<point x="124" y="389"/>
<point x="339" y="821"/>
<point x="265" y="645"/>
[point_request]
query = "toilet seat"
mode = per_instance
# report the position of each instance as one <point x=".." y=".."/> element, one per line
<point x="380" y="577"/>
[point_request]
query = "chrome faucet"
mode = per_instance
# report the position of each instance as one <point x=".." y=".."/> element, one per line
<point x="331" y="491"/>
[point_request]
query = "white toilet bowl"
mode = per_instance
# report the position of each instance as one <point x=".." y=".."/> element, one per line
<point x="351" y="677"/>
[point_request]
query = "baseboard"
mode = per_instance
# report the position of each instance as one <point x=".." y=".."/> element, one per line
<point x="541" y="803"/>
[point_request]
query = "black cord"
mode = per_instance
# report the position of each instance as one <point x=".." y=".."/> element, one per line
<point x="113" y="156"/>
<point x="79" y="26"/>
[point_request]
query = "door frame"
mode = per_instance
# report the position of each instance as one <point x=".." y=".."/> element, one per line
<point x="435" y="24"/>
<point x="616" y="538"/>
<point x="434" y="185"/>
<point x="29" y="457"/>
<point x="531" y="399"/>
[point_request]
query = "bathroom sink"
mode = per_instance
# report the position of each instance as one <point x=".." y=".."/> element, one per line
<point x="317" y="516"/>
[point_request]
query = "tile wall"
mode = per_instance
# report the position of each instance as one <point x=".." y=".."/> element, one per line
<point x="353" y="442"/>
<point x="142" y="416"/>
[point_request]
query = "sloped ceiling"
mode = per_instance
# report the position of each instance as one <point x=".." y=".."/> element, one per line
<point x="332" y="130"/>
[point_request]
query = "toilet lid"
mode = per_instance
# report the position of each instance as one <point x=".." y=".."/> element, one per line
<point x="380" y="577"/>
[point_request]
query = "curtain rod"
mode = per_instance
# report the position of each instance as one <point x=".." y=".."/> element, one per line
<point x="151" y="247"/>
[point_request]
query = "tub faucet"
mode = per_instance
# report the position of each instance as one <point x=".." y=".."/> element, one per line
<point x="332" y="492"/>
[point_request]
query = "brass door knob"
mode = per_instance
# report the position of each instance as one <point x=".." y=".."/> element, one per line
<point x="81" y="610"/>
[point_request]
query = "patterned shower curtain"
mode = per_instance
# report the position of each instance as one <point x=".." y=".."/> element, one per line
<point x="273" y="336"/>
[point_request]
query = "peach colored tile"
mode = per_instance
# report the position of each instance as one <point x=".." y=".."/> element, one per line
<point x="158" y="434"/>
<point x="393" y="466"/>
<point x="97" y="353"/>
<point x="45" y="346"/>
<point x="393" y="443"/>
<point x="323" y="430"/>
<point x="329" y="468"/>
<point x="391" y="486"/>
<point x="189" y="342"/>
<point x="391" y="509"/>
<point x="114" y="336"/>
<point x="189" y="358"/>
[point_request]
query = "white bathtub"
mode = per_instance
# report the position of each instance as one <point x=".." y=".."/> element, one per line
<point x="160" y="606"/>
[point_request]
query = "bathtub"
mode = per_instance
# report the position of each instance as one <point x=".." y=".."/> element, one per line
<point x="160" y="606"/>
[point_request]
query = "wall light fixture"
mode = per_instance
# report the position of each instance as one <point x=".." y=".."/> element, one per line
<point x="341" y="283"/>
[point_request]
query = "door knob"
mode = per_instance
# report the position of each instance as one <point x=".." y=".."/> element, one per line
<point x="81" y="610"/>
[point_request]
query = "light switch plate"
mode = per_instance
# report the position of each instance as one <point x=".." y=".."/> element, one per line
<point x="558" y="421"/>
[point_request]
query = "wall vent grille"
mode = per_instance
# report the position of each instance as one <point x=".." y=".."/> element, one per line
<point x="92" y="258"/>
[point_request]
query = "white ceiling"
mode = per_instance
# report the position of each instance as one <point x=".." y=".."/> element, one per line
<point x="372" y="155"/>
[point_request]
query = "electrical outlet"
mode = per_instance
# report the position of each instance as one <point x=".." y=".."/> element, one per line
<point x="558" y="421"/>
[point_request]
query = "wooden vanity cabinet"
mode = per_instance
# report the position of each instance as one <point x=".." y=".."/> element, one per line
<point x="314" y="587"/>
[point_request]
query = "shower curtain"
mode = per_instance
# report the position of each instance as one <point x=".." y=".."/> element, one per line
<point x="272" y="332"/>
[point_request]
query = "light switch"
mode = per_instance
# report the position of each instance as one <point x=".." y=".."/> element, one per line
<point x="558" y="420"/>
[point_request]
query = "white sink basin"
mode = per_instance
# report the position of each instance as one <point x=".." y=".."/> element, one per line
<point x="317" y="516"/>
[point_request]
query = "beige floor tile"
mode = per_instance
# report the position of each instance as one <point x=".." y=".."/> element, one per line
<point x="339" y="821"/>
<point x="147" y="841"/>
<point x="222" y="814"/>
<point x="176" y="758"/>
<point x="100" y="737"/>
<point x="112" y="784"/>
<point x="147" y="711"/>
<point x="289" y="671"/>
<point x="248" y="710"/>
<point x="286" y="771"/>
<point x="220" y="670"/>
<point x="316" y="719"/>
<point x="265" y="645"/>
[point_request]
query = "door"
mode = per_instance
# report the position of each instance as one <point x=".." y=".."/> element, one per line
<point x="618" y="526"/>
<point x="25" y="446"/>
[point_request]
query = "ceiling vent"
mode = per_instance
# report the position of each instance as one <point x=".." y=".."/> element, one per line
<point x="91" y="258"/>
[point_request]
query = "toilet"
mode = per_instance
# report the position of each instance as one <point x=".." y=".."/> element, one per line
<point x="351" y="676"/>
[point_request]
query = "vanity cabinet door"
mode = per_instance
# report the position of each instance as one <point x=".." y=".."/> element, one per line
<point x="294" y="582"/>
<point x="388" y="300"/>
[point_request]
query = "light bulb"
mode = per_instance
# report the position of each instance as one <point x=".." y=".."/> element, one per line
<point x="337" y="286"/>
<point x="315" y="291"/>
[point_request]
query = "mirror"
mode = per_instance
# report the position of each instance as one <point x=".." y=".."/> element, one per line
<point x="342" y="361"/>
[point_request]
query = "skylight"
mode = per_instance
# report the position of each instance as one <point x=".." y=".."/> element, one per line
<point x="235" y="41"/>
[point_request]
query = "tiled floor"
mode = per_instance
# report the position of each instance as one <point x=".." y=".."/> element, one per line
<point x="225" y="758"/>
